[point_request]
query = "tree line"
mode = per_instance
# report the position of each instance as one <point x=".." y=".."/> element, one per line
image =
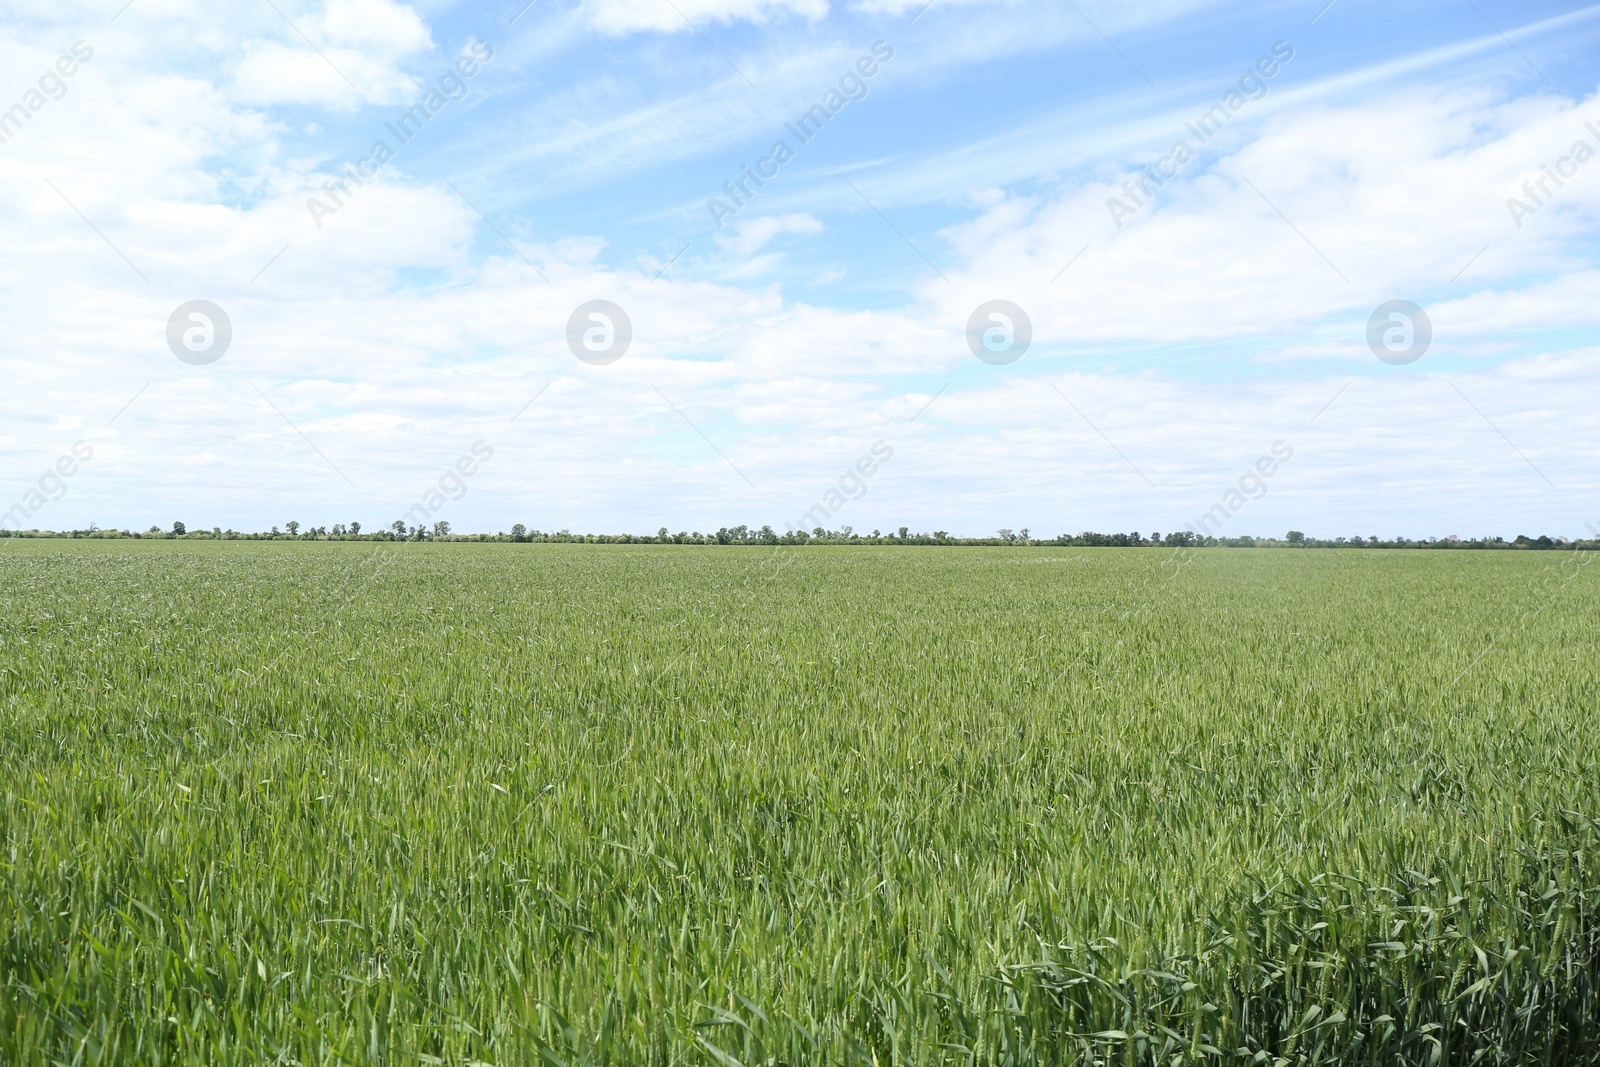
<point x="846" y="535"/>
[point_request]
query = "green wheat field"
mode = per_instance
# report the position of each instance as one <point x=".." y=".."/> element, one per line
<point x="374" y="803"/>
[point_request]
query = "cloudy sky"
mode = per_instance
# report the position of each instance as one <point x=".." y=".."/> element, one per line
<point x="1190" y="213"/>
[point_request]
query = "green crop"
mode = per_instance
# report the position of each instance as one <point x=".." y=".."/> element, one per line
<point x="319" y="803"/>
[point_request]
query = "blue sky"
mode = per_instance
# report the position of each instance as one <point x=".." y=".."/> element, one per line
<point x="423" y="310"/>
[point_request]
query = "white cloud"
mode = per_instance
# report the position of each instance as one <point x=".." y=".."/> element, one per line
<point x="631" y="16"/>
<point x="352" y="54"/>
<point x="752" y="235"/>
<point x="1398" y="196"/>
<point x="388" y="28"/>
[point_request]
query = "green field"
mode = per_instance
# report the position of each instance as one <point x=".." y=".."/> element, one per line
<point x="401" y="803"/>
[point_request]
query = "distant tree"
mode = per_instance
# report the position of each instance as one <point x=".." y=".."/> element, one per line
<point x="519" y="532"/>
<point x="179" y="529"/>
<point x="274" y="531"/>
<point x="1022" y="534"/>
<point x="1005" y="535"/>
<point x="399" y="529"/>
<point x="662" y="535"/>
<point x="441" y="529"/>
<point x="293" y="528"/>
<point x="355" y="529"/>
<point x="1296" y="537"/>
<point x="941" y="535"/>
<point x="338" y="529"/>
<point x="902" y="533"/>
